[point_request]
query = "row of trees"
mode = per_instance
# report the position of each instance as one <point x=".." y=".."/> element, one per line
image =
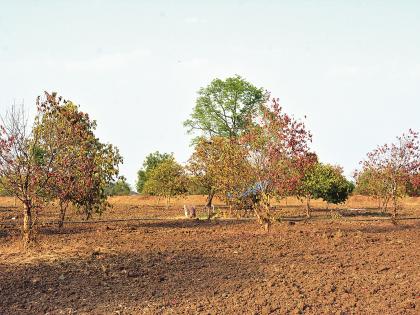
<point x="56" y="157"/>
<point x="384" y="176"/>
<point x="247" y="151"/>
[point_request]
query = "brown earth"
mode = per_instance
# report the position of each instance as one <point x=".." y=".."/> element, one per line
<point x="181" y="266"/>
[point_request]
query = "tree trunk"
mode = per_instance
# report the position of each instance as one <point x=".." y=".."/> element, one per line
<point x="168" y="200"/>
<point x="63" y="208"/>
<point x="308" y="207"/>
<point x="395" y="207"/>
<point x="209" y="204"/>
<point x="27" y="225"/>
<point x="262" y="212"/>
<point x="385" y="205"/>
<point x="211" y="212"/>
<point x="264" y="221"/>
<point x="193" y="213"/>
<point x="210" y="198"/>
<point x="88" y="212"/>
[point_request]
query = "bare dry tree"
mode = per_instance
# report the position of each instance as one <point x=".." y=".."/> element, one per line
<point x="25" y="163"/>
<point x="16" y="162"/>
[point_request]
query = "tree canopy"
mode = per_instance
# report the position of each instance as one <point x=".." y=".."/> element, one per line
<point x="150" y="162"/>
<point x="223" y="107"/>
<point x="120" y="187"/>
<point x="166" y="180"/>
<point x="324" y="181"/>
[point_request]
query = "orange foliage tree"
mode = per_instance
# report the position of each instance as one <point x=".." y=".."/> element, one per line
<point x="220" y="164"/>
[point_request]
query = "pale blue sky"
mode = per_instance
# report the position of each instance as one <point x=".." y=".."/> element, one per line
<point x="352" y="67"/>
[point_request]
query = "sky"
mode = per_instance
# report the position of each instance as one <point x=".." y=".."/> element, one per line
<point x="351" y="67"/>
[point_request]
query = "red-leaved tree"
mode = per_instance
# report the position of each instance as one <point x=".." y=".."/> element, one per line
<point x="79" y="169"/>
<point x="396" y="164"/>
<point x="58" y="157"/>
<point x="278" y="149"/>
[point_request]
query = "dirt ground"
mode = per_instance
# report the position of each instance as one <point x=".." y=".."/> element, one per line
<point x="333" y="265"/>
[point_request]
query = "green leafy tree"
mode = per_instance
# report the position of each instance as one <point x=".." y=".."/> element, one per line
<point x="324" y="181"/>
<point x="151" y="161"/>
<point x="339" y="190"/>
<point x="369" y="182"/>
<point x="223" y="107"/>
<point x="118" y="188"/>
<point x="166" y="180"/>
<point x="141" y="179"/>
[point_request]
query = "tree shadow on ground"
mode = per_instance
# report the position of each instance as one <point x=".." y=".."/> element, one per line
<point x="170" y="224"/>
<point x="54" y="230"/>
<point x="91" y="226"/>
<point x="389" y="227"/>
<point x="7" y="209"/>
<point x="364" y="213"/>
<point x="9" y="231"/>
<point x="3" y="233"/>
<point x="104" y="281"/>
<point x="374" y="209"/>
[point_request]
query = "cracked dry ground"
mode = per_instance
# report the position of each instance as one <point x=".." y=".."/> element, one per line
<point x="229" y="267"/>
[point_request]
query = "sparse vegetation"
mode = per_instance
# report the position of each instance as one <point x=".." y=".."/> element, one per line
<point x="241" y="124"/>
<point x="390" y="169"/>
<point x="251" y="159"/>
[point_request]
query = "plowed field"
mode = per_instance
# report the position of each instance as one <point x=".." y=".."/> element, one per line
<point x="182" y="266"/>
